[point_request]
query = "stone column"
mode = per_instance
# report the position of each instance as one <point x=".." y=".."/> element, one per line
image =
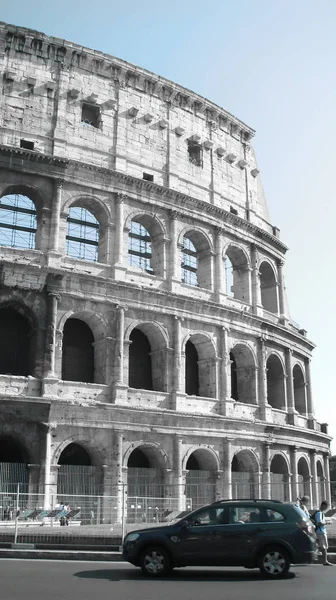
<point x="120" y="384"/>
<point x="225" y="375"/>
<point x="266" y="476"/>
<point x="262" y="381"/>
<point x="294" y="467"/>
<point x="48" y="483"/>
<point x="120" y="265"/>
<point x="327" y="478"/>
<point x="315" y="495"/>
<point x="50" y="345"/>
<point x="174" y="269"/>
<point x="219" y="283"/>
<point x="309" y="396"/>
<point x="121" y="492"/>
<point x="177" y="363"/>
<point x="256" y="291"/>
<point x="180" y="486"/>
<point x="290" y="387"/>
<point x="281" y="288"/>
<point x="227" y="469"/>
<point x="56" y="215"/>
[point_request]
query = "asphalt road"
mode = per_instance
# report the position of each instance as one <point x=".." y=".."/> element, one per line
<point x="60" y="580"/>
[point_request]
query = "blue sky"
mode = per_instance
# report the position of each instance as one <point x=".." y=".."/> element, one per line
<point x="272" y="64"/>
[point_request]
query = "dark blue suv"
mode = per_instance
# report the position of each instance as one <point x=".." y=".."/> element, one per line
<point x="267" y="534"/>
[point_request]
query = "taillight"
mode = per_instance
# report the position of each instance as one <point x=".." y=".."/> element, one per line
<point x="307" y="527"/>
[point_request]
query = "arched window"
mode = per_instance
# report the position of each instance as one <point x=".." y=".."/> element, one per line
<point x="303" y="477"/>
<point x="82" y="235"/>
<point x="299" y="390"/>
<point x="243" y="374"/>
<point x="244" y="468"/>
<point x="200" y="479"/>
<point x="269" y="299"/>
<point x="77" y="476"/>
<point x="140" y="361"/>
<point x="140" y="247"/>
<point x="145" y="485"/>
<point x="236" y="274"/>
<point x="15" y="343"/>
<point x="191" y="370"/>
<point x="17" y="221"/>
<point x="279" y="478"/>
<point x="78" y="352"/>
<point x="14" y="461"/>
<point x="189" y="262"/>
<point x="275" y="383"/>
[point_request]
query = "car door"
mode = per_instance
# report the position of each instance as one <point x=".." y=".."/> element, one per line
<point x="240" y="537"/>
<point x="199" y="542"/>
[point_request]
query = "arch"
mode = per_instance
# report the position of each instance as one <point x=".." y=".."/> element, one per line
<point x="146" y="242"/>
<point x="77" y="352"/>
<point x="202" y="465"/>
<point x="97" y="323"/>
<point x="243" y="374"/>
<point x="200" y="365"/>
<point x="299" y="390"/>
<point x="145" y="478"/>
<point x="148" y="360"/>
<point x="17" y="340"/>
<point x="244" y="474"/>
<point x="77" y="475"/>
<point x="276" y="384"/>
<point x="279" y="474"/>
<point x="196" y="258"/>
<point x="303" y="476"/>
<point x="14" y="460"/>
<point x="237" y="273"/>
<point x="268" y="287"/>
<point x="320" y="483"/>
<point x="86" y="233"/>
<point x="18" y="221"/>
<point x="155" y="454"/>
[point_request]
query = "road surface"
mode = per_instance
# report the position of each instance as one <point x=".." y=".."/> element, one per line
<point x="72" y="580"/>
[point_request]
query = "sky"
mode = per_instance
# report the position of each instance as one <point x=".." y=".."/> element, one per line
<point x="272" y="64"/>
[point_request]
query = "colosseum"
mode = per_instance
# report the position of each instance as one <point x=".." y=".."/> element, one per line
<point x="150" y="349"/>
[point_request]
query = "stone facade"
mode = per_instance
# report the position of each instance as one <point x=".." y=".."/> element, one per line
<point x="83" y="129"/>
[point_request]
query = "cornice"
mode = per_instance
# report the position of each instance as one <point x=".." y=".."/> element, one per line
<point x="175" y="198"/>
<point x="23" y="41"/>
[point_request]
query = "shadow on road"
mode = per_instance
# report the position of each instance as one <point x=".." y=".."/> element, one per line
<point x="177" y="575"/>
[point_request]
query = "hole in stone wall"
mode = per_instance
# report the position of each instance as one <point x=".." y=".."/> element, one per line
<point x="90" y="114"/>
<point x="148" y="177"/>
<point x="195" y="153"/>
<point x="27" y="144"/>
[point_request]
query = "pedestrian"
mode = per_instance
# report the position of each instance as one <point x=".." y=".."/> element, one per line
<point x="321" y="532"/>
<point x="304" y="502"/>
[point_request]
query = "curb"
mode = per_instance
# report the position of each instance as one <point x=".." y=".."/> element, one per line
<point x="62" y="555"/>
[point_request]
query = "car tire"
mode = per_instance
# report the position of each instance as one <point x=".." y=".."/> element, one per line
<point x="155" y="561"/>
<point x="274" y="562"/>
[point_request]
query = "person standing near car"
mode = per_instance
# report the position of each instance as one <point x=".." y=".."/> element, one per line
<point x="304" y="502"/>
<point x="321" y="532"/>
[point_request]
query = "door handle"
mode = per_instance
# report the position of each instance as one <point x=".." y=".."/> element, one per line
<point x="261" y="529"/>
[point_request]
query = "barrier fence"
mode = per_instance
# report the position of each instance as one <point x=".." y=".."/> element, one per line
<point x="96" y="520"/>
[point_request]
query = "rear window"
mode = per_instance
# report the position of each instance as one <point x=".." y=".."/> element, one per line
<point x="274" y="516"/>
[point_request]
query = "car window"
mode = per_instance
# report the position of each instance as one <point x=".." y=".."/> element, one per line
<point x="209" y="516"/>
<point x="274" y="516"/>
<point x="245" y="514"/>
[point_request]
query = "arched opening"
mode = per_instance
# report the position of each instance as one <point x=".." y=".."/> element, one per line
<point x="200" y="479"/>
<point x="14" y="461"/>
<point x="78" y="477"/>
<point x="299" y="390"/>
<point x="145" y="500"/>
<point x="320" y="483"/>
<point x="16" y="347"/>
<point x="276" y="395"/>
<point x="243" y="374"/>
<point x="140" y="361"/>
<point x="279" y="479"/>
<point x="191" y="370"/>
<point x="196" y="266"/>
<point x="244" y="469"/>
<point x="140" y="248"/>
<point x="78" y="352"/>
<point x="236" y="274"/>
<point x="82" y="234"/>
<point x="18" y="222"/>
<point x="303" y="478"/>
<point x="268" y="287"/>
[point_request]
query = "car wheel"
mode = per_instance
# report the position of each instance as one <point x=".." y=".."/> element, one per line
<point x="155" y="561"/>
<point x="274" y="562"/>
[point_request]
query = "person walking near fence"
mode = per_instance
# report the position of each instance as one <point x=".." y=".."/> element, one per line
<point x="321" y="532"/>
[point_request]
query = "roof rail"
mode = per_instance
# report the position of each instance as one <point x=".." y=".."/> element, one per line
<point x="248" y="500"/>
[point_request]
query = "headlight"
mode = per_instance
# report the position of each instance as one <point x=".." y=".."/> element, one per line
<point x="131" y="537"/>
